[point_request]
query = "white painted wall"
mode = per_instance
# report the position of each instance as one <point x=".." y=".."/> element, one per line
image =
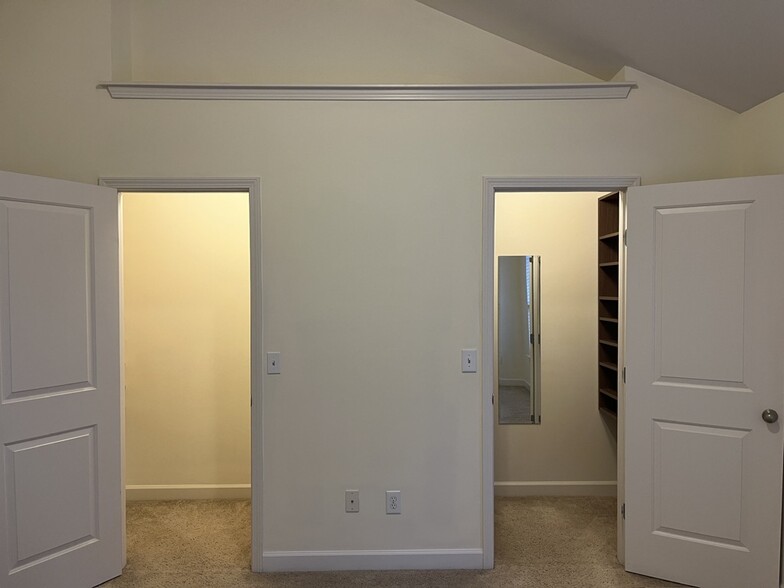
<point x="371" y="221"/>
<point x="573" y="443"/>
<point x="186" y="287"/>
<point x="371" y="41"/>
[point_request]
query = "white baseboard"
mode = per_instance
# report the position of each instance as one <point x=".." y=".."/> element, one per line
<point x="395" y="559"/>
<point x="514" y="382"/>
<point x="558" y="488"/>
<point x="188" y="492"/>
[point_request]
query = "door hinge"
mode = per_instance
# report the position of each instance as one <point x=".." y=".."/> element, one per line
<point x="624" y="237"/>
<point x="492" y="399"/>
<point x="623" y="511"/>
<point x="624" y="374"/>
<point x="531" y="338"/>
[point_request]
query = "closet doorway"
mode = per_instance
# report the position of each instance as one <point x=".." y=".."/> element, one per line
<point x="191" y="272"/>
<point x="186" y="345"/>
<point x="556" y="220"/>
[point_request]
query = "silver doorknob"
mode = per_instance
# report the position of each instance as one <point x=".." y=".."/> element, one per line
<point x="769" y="415"/>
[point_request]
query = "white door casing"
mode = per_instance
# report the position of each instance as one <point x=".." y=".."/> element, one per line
<point x="60" y="490"/>
<point x="704" y="343"/>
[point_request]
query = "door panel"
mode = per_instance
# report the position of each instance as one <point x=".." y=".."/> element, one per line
<point x="705" y="318"/>
<point x="60" y="493"/>
<point x="47" y="518"/>
<point x="50" y="289"/>
<point x="688" y="300"/>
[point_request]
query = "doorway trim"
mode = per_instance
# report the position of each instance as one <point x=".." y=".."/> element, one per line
<point x="491" y="186"/>
<point x="253" y="187"/>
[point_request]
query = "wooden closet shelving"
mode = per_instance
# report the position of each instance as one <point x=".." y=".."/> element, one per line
<point x="608" y="298"/>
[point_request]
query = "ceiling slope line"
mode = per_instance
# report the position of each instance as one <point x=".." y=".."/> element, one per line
<point x="368" y="92"/>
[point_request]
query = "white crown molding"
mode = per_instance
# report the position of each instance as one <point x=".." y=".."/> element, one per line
<point x="389" y="92"/>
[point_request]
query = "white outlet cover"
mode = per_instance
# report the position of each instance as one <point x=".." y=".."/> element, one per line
<point x="394" y="502"/>
<point x="352" y="500"/>
<point x="273" y="362"/>
<point x="468" y="361"/>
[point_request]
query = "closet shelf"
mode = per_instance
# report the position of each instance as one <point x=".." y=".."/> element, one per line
<point x="608" y="292"/>
<point x="608" y="412"/>
<point x="608" y="392"/>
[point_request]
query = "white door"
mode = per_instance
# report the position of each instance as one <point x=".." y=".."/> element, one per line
<point x="60" y="494"/>
<point x="705" y="358"/>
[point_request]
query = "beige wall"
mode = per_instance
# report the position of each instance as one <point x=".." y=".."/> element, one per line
<point x="372" y="221"/>
<point x="760" y="144"/>
<point x="186" y="310"/>
<point x="314" y="42"/>
<point x="573" y="443"/>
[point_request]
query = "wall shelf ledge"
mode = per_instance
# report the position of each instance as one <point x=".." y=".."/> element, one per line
<point x="369" y="92"/>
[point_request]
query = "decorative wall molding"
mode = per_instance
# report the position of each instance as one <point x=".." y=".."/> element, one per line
<point x="557" y="488"/>
<point x="395" y="559"/>
<point x="369" y="92"/>
<point x="134" y="184"/>
<point x="188" y="492"/>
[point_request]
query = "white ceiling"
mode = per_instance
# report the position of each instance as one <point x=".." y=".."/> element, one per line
<point x="729" y="51"/>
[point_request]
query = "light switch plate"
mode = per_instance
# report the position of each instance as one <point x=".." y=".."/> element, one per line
<point x="469" y="361"/>
<point x="273" y="362"/>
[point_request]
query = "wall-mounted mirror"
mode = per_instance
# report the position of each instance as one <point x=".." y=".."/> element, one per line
<point x="519" y="394"/>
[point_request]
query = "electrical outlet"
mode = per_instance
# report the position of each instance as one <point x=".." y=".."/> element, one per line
<point x="352" y="500"/>
<point x="394" y="504"/>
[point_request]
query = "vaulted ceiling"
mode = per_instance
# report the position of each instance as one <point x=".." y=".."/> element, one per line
<point x="728" y="51"/>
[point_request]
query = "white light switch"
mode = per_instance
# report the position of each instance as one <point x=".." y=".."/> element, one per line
<point x="469" y="361"/>
<point x="273" y="362"/>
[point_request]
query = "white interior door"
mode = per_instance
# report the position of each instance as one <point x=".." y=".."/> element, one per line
<point x="60" y="493"/>
<point x="705" y="351"/>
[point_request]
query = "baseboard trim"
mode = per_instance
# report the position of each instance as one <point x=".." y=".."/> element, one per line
<point x="515" y="382"/>
<point x="557" y="488"/>
<point x="408" y="559"/>
<point x="187" y="492"/>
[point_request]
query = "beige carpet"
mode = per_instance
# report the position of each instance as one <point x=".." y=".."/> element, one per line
<point x="540" y="543"/>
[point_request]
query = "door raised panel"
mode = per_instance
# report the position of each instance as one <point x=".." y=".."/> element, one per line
<point x="700" y="281"/>
<point x="50" y="518"/>
<point x="687" y="459"/>
<point x="48" y="275"/>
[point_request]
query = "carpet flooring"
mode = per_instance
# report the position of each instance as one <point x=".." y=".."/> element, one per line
<point x="514" y="405"/>
<point x="541" y="542"/>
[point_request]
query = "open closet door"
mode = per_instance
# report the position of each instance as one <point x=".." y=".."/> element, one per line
<point x="60" y="495"/>
<point x="705" y="362"/>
